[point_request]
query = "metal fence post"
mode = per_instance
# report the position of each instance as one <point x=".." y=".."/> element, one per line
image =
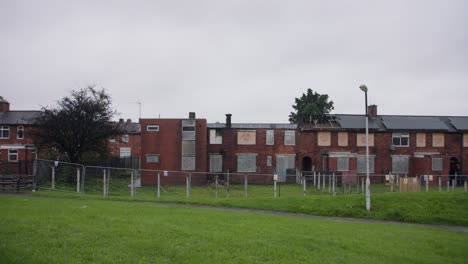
<point x="448" y="185"/>
<point x="77" y="180"/>
<point x="53" y="178"/>
<point x="465" y="186"/>
<point x="104" y="186"/>
<point x="334" y="184"/>
<point x="329" y="183"/>
<point x="427" y="183"/>
<point x="362" y="185"/>
<point x="245" y="186"/>
<point x="274" y="185"/>
<point x="453" y="184"/>
<point x="318" y="181"/>
<point x="216" y="187"/>
<point x="440" y="184"/>
<point x="228" y="185"/>
<point x="315" y="174"/>
<point x="159" y="184"/>
<point x="323" y="182"/>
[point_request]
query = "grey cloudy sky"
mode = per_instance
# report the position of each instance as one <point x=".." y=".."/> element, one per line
<point x="249" y="58"/>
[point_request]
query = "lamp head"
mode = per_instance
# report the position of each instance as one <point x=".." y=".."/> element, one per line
<point x="363" y="87"/>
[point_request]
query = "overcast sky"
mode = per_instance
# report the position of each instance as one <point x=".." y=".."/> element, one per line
<point x="249" y="58"/>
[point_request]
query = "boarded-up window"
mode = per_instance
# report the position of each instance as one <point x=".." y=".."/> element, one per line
<point x="400" y="164"/>
<point x="246" y="163"/>
<point x="216" y="163"/>
<point x="361" y="139"/>
<point x="246" y="137"/>
<point x="361" y="164"/>
<point x="269" y="161"/>
<point x="436" y="164"/>
<point x="152" y="158"/>
<point x="125" y="152"/>
<point x="438" y="140"/>
<point x="342" y="164"/>
<point x="342" y="139"/>
<point x="420" y="140"/>
<point x="323" y="139"/>
<point x="270" y="137"/>
<point x="283" y="164"/>
<point x="188" y="148"/>
<point x="188" y="129"/>
<point x="188" y="163"/>
<point x="216" y="137"/>
<point x="465" y="140"/>
<point x="290" y="137"/>
<point x="125" y="138"/>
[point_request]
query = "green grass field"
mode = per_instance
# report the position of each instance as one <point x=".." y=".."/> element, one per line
<point x="433" y="207"/>
<point x="82" y="229"/>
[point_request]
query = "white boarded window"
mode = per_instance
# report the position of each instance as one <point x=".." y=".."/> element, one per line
<point x="216" y="137"/>
<point x="188" y="163"/>
<point x="437" y="164"/>
<point x="342" y="164"/>
<point x="125" y="152"/>
<point x="290" y="137"/>
<point x="343" y="139"/>
<point x="361" y="164"/>
<point x="400" y="164"/>
<point x="188" y="148"/>
<point x="270" y="137"/>
<point x="269" y="161"/>
<point x="246" y="163"/>
<point x="323" y="139"/>
<point x="152" y="158"/>
<point x="125" y="138"/>
<point x="216" y="163"/>
<point x="438" y="140"/>
<point x="152" y="128"/>
<point x="361" y="139"/>
<point x="246" y="137"/>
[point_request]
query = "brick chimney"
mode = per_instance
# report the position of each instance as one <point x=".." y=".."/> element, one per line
<point x="228" y="120"/>
<point x="129" y="121"/>
<point x="4" y="105"/>
<point x="191" y="115"/>
<point x="372" y="110"/>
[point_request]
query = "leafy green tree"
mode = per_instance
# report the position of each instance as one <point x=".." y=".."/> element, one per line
<point x="310" y="106"/>
<point x="79" y="125"/>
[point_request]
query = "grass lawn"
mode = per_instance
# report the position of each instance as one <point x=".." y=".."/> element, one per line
<point x="80" y="229"/>
<point x="433" y="207"/>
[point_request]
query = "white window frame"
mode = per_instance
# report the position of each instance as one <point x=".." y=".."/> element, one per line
<point x="292" y="135"/>
<point x="13" y="154"/>
<point x="18" y="129"/>
<point x="216" y="137"/>
<point x="3" y="130"/>
<point x="125" y="138"/>
<point x="129" y="150"/>
<point x="400" y="135"/>
<point x="152" y="128"/>
<point x="270" y="137"/>
<point x="148" y="156"/>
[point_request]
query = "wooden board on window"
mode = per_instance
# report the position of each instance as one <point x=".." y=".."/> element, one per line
<point x="323" y="139"/>
<point x="343" y="139"/>
<point x="438" y="140"/>
<point x="246" y="138"/>
<point x="361" y="139"/>
<point x="420" y="139"/>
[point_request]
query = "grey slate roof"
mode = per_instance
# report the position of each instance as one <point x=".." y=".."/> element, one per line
<point x="414" y="123"/>
<point x="254" y="125"/>
<point x="356" y="122"/>
<point x="18" y="117"/>
<point x="460" y="123"/>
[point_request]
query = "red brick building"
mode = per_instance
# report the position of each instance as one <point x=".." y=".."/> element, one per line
<point x="16" y="143"/>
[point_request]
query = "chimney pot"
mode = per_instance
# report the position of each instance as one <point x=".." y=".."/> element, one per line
<point x="121" y="120"/>
<point x="129" y="120"/>
<point x="372" y="110"/>
<point x="192" y="115"/>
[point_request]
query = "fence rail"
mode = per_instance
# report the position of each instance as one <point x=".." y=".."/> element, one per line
<point x="114" y="181"/>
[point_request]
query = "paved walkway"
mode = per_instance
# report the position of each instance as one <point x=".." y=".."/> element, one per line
<point x="277" y="213"/>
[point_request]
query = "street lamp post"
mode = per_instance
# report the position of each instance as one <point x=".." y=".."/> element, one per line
<point x="363" y="87"/>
